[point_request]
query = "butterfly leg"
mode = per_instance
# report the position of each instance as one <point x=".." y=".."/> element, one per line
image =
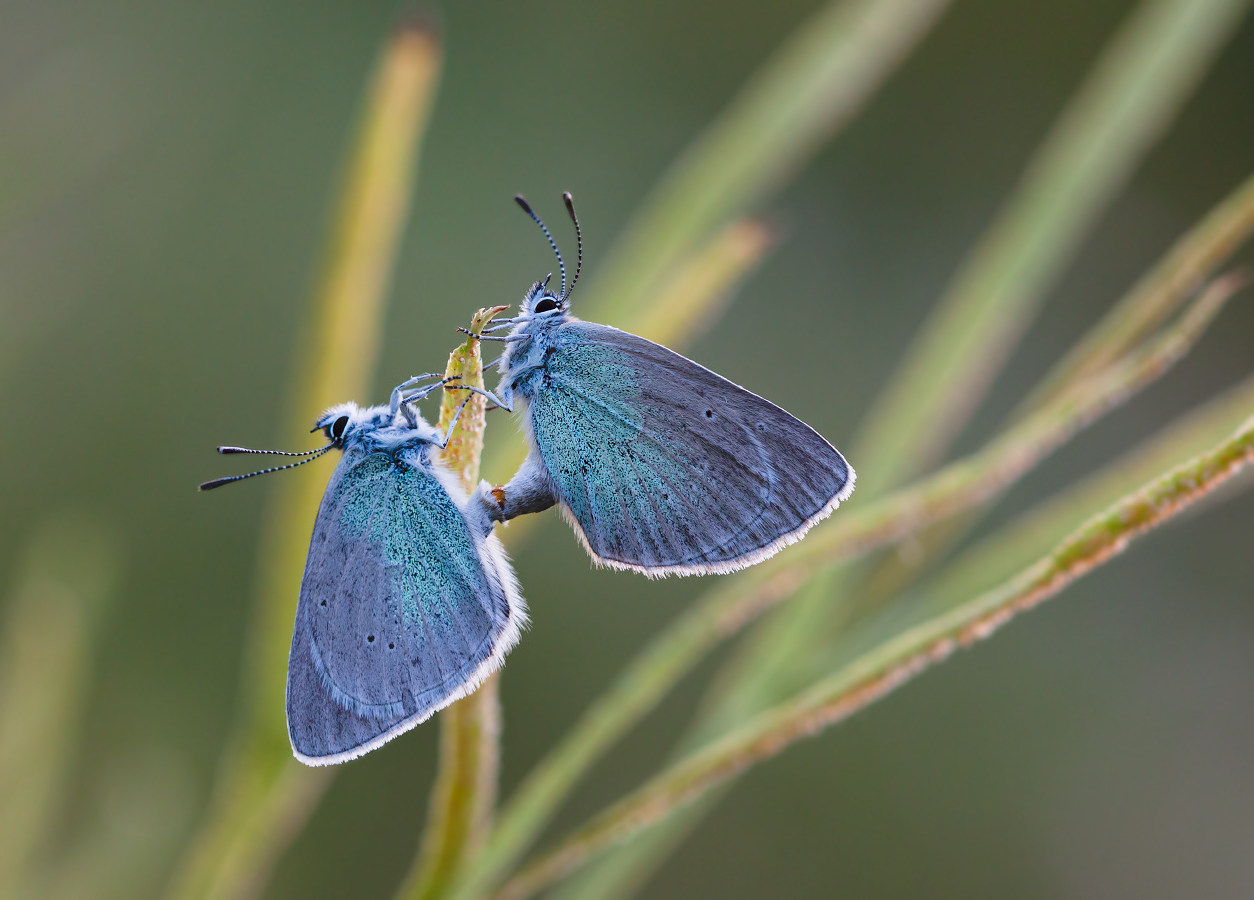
<point x="480" y="391"/>
<point x="398" y="392"/>
<point x="510" y="338"/>
<point x="452" y="424"/>
<point x="529" y="491"/>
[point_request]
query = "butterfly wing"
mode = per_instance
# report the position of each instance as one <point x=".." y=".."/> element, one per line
<point x="665" y="467"/>
<point x="402" y="610"/>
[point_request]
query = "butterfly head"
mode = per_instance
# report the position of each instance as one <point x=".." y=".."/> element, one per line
<point x="543" y="303"/>
<point x="346" y="423"/>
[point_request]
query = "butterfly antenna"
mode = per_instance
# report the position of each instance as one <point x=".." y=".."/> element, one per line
<point x="218" y="482"/>
<point x="570" y="208"/>
<point x="269" y="452"/>
<point x="522" y="201"/>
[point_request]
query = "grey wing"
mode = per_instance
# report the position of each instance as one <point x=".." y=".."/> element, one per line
<point x="665" y="467"/>
<point x="402" y="610"/>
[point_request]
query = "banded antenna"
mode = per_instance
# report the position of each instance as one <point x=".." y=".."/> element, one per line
<point x="570" y="208"/>
<point x="522" y="201"/>
<point x="218" y="482"/>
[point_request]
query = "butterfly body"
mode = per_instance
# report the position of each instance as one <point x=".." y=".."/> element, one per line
<point x="404" y="606"/>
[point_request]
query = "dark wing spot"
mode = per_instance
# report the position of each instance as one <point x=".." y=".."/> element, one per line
<point x="370" y="638"/>
<point x="391" y="646"/>
<point x="709" y="414"/>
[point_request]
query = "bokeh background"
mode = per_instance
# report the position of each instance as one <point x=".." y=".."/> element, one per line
<point x="166" y="178"/>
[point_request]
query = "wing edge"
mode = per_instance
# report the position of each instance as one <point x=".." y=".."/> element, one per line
<point x="495" y="559"/>
<point x="718" y="568"/>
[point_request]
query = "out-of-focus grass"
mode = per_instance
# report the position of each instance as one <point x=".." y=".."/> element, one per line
<point x="734" y="602"/>
<point x="891" y="663"/>
<point x="263" y="796"/>
<point x="69" y="570"/>
<point x="141" y="805"/>
<point x="849" y="633"/>
<point x="1133" y="94"/>
<point x="818" y="79"/>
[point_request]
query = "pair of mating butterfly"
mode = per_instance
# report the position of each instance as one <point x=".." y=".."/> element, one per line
<point x="661" y="466"/>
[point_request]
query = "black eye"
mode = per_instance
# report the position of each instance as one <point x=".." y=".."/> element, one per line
<point x="337" y="428"/>
<point x="546" y="304"/>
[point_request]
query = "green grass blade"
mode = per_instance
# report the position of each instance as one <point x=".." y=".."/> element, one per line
<point x="1134" y="92"/>
<point x="1029" y="534"/>
<point x="1130" y="99"/>
<point x="890" y="664"/>
<point x="735" y="602"/>
<point x="1160" y="292"/>
<point x="812" y="85"/>
<point x="263" y="796"/>
<point x="45" y="655"/>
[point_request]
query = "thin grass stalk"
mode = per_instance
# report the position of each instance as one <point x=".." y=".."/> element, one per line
<point x="263" y="796"/>
<point x="1029" y="534"/>
<point x="464" y="795"/>
<point x="1151" y="301"/>
<point x="735" y="602"/>
<point x="1158" y="294"/>
<point x="891" y="664"/>
<point x="1136" y="89"/>
<point x="1134" y="93"/>
<point x="688" y="303"/>
<point x="817" y="80"/>
<point x="49" y="624"/>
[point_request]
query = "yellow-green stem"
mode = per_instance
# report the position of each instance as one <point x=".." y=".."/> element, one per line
<point x="263" y="796"/>
<point x="460" y="812"/>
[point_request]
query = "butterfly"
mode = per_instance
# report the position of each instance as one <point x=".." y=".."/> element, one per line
<point x="660" y="465"/>
<point x="406" y="604"/>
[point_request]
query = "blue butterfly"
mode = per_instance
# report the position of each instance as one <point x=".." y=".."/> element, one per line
<point x="660" y="465"/>
<point x="406" y="604"/>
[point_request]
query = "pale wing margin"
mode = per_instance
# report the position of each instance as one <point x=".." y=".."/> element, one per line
<point x="368" y="666"/>
<point x="751" y="477"/>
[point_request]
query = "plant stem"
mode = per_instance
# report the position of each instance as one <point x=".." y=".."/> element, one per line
<point x="464" y="795"/>
<point x="736" y="602"/>
<point x="259" y="784"/>
<point x="1134" y="92"/>
<point x="811" y="86"/>
<point x="1159" y="293"/>
<point x="889" y="665"/>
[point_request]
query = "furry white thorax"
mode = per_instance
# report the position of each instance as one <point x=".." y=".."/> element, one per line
<point x="521" y="356"/>
<point x="377" y="428"/>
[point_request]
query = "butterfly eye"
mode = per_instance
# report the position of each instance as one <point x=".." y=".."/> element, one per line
<point x="336" y="431"/>
<point x="547" y="304"/>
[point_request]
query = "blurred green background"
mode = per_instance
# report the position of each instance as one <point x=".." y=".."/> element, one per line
<point x="166" y="176"/>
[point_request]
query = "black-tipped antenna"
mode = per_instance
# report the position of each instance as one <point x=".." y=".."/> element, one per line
<point x="522" y="201"/>
<point x="218" y="482"/>
<point x="268" y="452"/>
<point x="570" y="208"/>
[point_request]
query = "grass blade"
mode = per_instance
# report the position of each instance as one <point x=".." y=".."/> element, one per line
<point x="44" y="674"/>
<point x="263" y="796"/>
<point x="729" y="607"/>
<point x="889" y="665"/>
<point x="1134" y="92"/>
<point x="810" y="87"/>
<point x="1161" y="291"/>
